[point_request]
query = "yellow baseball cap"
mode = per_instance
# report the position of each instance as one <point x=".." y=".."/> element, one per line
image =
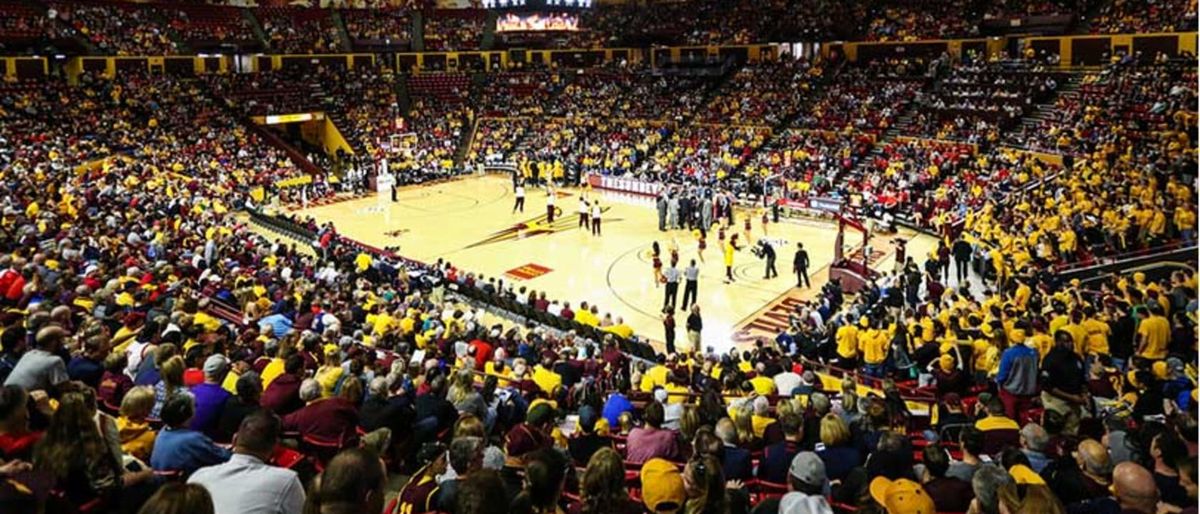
<point x="662" y="486"/>
<point x="1160" y="370"/>
<point x="946" y="362"/>
<point x="902" y="496"/>
<point x="1025" y="475"/>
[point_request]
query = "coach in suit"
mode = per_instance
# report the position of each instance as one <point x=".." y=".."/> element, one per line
<point x="800" y="266"/>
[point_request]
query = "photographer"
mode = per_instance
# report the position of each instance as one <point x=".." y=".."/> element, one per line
<point x="764" y="250"/>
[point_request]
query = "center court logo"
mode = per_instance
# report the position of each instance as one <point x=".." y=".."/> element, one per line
<point x="537" y="226"/>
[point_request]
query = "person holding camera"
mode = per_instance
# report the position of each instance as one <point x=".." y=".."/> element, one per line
<point x="767" y="252"/>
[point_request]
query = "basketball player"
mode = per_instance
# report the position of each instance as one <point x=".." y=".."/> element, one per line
<point x="520" y="194"/>
<point x="596" y="218"/>
<point x="550" y="205"/>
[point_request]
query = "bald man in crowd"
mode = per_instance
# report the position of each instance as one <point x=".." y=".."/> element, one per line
<point x="1134" y="488"/>
<point x="1133" y="492"/>
<point x="42" y="369"/>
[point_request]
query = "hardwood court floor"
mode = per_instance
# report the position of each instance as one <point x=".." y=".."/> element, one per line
<point x="470" y="223"/>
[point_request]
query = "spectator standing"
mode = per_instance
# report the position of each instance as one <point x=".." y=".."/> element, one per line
<point x="1017" y="379"/>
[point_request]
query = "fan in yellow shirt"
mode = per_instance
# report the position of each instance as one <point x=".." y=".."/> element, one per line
<point x="847" y="343"/>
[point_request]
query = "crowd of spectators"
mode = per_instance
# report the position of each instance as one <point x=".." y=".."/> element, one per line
<point x="136" y="29"/>
<point x="1021" y="8"/>
<point x="912" y="21"/>
<point x="518" y="92"/>
<point x="977" y="99"/>
<point x="118" y="29"/>
<point x="372" y="29"/>
<point x="1125" y="101"/>
<point x="812" y="162"/>
<point x="156" y="353"/>
<point x="297" y="30"/>
<point x="454" y="30"/>
<point x="860" y="99"/>
<point x="1143" y="16"/>
<point x="765" y="94"/>
<point x="205" y="26"/>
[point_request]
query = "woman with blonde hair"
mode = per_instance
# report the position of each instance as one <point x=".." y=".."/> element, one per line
<point x="836" y="448"/>
<point x="1036" y="498"/>
<point x="689" y="422"/>
<point x="743" y="421"/>
<point x="137" y="438"/>
<point x="602" y="487"/>
<point x="464" y="396"/>
<point x="331" y="372"/>
<point x="352" y="390"/>
<point x="170" y="384"/>
<point x="469" y="425"/>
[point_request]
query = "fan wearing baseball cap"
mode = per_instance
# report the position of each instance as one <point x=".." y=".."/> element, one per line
<point x="807" y="485"/>
<point x="901" y="496"/>
<point x="662" y="486"/>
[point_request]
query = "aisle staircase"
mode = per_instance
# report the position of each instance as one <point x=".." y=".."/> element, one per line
<point x="170" y="31"/>
<point x="488" y="41"/>
<point x="256" y="27"/>
<point x="343" y="34"/>
<point x="1045" y="111"/>
<point x="418" y="31"/>
<point x="42" y="10"/>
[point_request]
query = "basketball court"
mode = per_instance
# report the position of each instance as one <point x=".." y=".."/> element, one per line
<point x="470" y="223"/>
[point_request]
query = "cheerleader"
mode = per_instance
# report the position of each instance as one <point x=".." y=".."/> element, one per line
<point x="730" y="247"/>
<point x="656" y="262"/>
<point x="764" y="222"/>
<point x="700" y="243"/>
<point x="674" y="253"/>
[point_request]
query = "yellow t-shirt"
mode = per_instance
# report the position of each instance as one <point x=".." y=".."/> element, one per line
<point x="328" y="377"/>
<point x="760" y="424"/>
<point x="272" y="371"/>
<point x="1097" y="336"/>
<point x="545" y="379"/>
<point x="1156" y="332"/>
<point x="874" y="346"/>
<point x="847" y="341"/>
<point x="654" y="377"/>
<point x="763" y="385"/>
